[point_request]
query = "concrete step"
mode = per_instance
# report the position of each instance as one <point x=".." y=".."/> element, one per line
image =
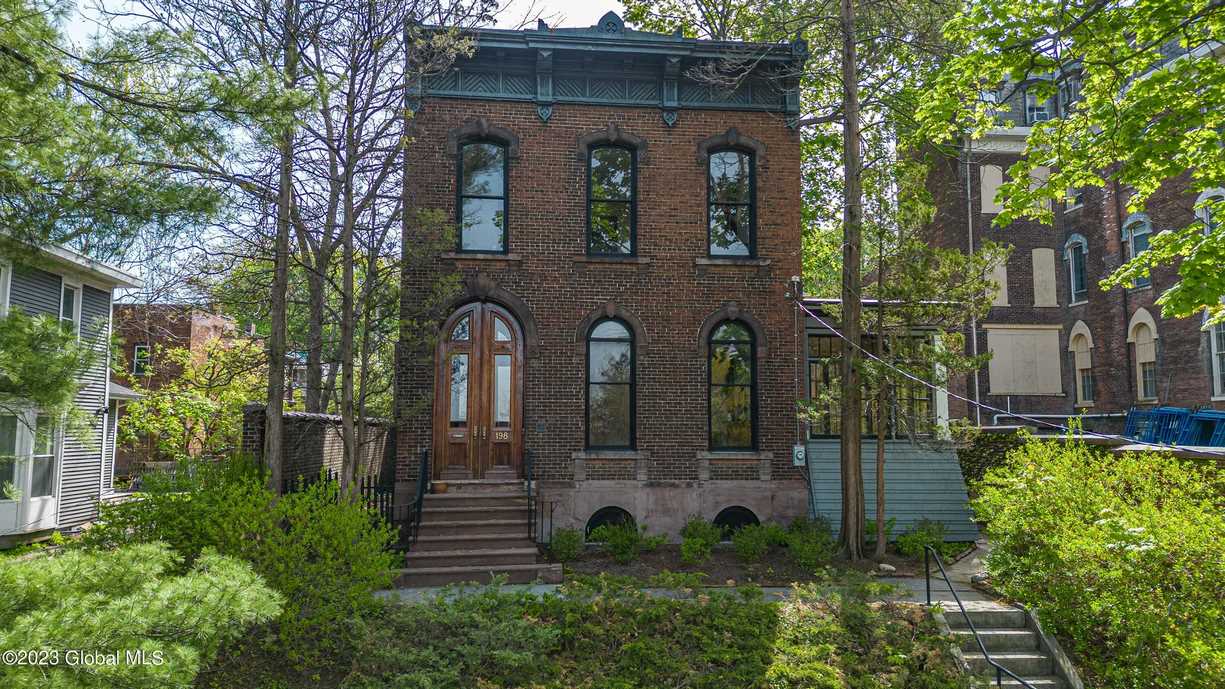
<point x="483" y="486"/>
<point x="1047" y="682"/>
<point x="985" y="615"/>
<point x="432" y="514"/>
<point x="1023" y="664"/>
<point x="475" y="499"/>
<point x="998" y="639"/>
<point x="452" y="527"/>
<point x="515" y="574"/>
<point x="479" y="541"/>
<point x="461" y="558"/>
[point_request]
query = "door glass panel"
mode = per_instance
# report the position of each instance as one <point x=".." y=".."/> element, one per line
<point x="462" y="331"/>
<point x="8" y="450"/>
<point x="501" y="331"/>
<point x="42" y="467"/>
<point x="459" y="389"/>
<point x="501" y="390"/>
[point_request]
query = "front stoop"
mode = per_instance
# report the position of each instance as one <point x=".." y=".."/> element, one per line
<point x="475" y="534"/>
<point x="1010" y="641"/>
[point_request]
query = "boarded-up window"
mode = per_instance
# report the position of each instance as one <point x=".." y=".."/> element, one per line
<point x="1082" y="364"/>
<point x="1024" y="360"/>
<point x="992" y="178"/>
<point x="999" y="276"/>
<point x="1044" y="277"/>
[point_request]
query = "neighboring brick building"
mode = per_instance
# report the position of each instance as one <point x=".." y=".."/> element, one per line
<point x="144" y="331"/>
<point x="596" y="300"/>
<point x="1061" y="346"/>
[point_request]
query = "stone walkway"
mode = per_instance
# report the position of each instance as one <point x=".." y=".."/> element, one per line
<point x="910" y="588"/>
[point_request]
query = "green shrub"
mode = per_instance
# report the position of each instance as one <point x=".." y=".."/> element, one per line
<point x="924" y="533"/>
<point x="128" y="599"/>
<point x="1123" y="557"/>
<point x="810" y="543"/>
<point x="325" y="554"/>
<point x="625" y="541"/>
<point x="752" y="543"/>
<point x="982" y="451"/>
<point x="698" y="539"/>
<point x="869" y="530"/>
<point x="566" y="545"/>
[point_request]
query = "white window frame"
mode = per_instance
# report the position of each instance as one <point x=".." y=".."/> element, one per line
<point x="1218" y="365"/>
<point x="6" y="278"/>
<point x="1076" y="199"/>
<point x="1137" y="221"/>
<point x="31" y="513"/>
<point x="1034" y="107"/>
<point x="66" y="285"/>
<point x="1143" y="317"/>
<point x="1202" y="213"/>
<point x="148" y="350"/>
<point x="1076" y="240"/>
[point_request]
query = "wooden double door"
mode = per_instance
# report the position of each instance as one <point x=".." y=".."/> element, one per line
<point x="478" y="404"/>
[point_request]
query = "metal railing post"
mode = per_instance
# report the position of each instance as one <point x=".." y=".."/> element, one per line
<point x="927" y="575"/>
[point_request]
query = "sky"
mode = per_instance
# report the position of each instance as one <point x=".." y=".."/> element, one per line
<point x="567" y="13"/>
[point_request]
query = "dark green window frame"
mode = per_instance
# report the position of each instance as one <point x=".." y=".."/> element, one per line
<point x="632" y="384"/>
<point x="712" y="204"/>
<point x="631" y="202"/>
<point x="460" y="196"/>
<point x="712" y="346"/>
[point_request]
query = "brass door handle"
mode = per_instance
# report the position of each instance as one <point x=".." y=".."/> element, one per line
<point x="484" y="432"/>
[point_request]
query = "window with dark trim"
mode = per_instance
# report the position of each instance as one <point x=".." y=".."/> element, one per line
<point x="610" y="386"/>
<point x="912" y="408"/>
<point x="481" y="194"/>
<point x="732" y="203"/>
<point x="612" y="187"/>
<point x="733" y="381"/>
<point x="1075" y="252"/>
<point x="1137" y="233"/>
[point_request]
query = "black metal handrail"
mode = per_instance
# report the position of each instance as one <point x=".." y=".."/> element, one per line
<point x="418" y="503"/>
<point x="528" y="470"/>
<point x="930" y="552"/>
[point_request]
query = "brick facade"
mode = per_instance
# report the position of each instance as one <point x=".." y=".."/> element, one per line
<point x="671" y="292"/>
<point x="312" y="443"/>
<point x="1183" y="351"/>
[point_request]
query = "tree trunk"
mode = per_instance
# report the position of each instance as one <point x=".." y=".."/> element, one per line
<point x="882" y="417"/>
<point x="349" y="463"/>
<point x="273" y="421"/>
<point x="852" y="230"/>
<point x="315" y="400"/>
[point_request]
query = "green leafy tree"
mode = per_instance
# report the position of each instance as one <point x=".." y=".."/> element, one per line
<point x="1142" y="121"/>
<point x="130" y="600"/>
<point x="199" y="410"/>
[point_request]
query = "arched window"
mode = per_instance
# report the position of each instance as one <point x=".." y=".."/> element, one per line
<point x="610" y="386"/>
<point x="1142" y="332"/>
<point x="1210" y="209"/>
<point x="733" y="378"/>
<point x="481" y="197"/>
<point x="732" y="203"/>
<point x="612" y="207"/>
<point x="1075" y="252"/>
<point x="607" y="516"/>
<point x="1135" y="232"/>
<point x="1081" y="346"/>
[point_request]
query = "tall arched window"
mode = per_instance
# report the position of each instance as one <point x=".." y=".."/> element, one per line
<point x="733" y="379"/>
<point x="732" y="203"/>
<point x="1210" y="209"/>
<point x="610" y="386"/>
<point x="1145" y="340"/>
<point x="1135" y="232"/>
<point x="1081" y="346"/>
<point x="612" y="188"/>
<point x="1075" y="252"/>
<point x="481" y="197"/>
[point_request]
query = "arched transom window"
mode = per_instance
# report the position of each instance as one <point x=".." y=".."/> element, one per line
<point x="610" y="386"/>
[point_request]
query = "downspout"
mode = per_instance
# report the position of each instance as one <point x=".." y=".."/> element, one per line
<point x="978" y="412"/>
<point x="1118" y="223"/>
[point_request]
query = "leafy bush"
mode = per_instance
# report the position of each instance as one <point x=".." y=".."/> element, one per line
<point x="698" y="539"/>
<point x="325" y="554"/>
<point x="1123" y="557"/>
<point x="869" y="530"/>
<point x="123" y="600"/>
<point x="625" y="542"/>
<point x="752" y="543"/>
<point x="982" y="451"/>
<point x="810" y="543"/>
<point x="566" y="545"/>
<point x="924" y="533"/>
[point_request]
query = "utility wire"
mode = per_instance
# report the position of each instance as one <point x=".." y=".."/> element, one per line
<point x="1004" y="412"/>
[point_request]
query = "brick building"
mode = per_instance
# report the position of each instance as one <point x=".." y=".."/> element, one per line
<point x="627" y="240"/>
<point x="144" y="331"/>
<point x="1061" y="346"/>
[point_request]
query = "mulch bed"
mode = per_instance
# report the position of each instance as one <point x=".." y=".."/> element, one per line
<point x="724" y="568"/>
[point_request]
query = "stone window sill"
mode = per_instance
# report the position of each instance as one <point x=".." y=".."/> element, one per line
<point x="627" y="455"/>
<point x="1082" y="302"/>
<point x="1084" y="405"/>
<point x="741" y="262"/>
<point x="735" y="456"/>
<point x="614" y="260"/>
<point x="481" y="256"/>
<point x="1151" y="400"/>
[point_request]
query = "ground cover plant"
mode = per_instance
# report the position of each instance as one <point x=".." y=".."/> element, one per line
<point x="137" y="598"/>
<point x="1123" y="557"/>
<point x="625" y="541"/>
<point x="606" y="633"/>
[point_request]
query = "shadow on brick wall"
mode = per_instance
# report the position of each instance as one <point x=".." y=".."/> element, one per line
<point x="312" y="444"/>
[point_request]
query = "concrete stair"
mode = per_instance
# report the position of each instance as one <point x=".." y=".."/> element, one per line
<point x="476" y="531"/>
<point x="1009" y="641"/>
